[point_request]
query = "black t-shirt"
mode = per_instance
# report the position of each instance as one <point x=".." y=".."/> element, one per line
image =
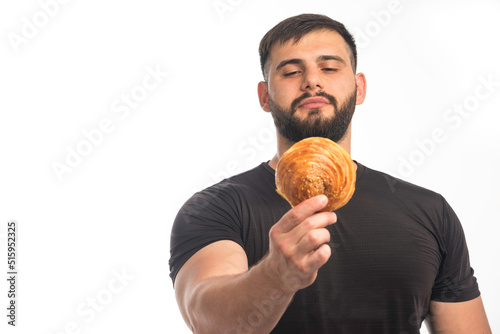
<point x="395" y="247"/>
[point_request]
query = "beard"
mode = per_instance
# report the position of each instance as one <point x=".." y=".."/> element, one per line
<point x="314" y="125"/>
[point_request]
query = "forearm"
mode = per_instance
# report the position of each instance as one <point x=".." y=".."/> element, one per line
<point x="218" y="294"/>
<point x="250" y="302"/>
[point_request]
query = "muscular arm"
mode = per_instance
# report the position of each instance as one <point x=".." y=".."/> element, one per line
<point x="458" y="318"/>
<point x="217" y="293"/>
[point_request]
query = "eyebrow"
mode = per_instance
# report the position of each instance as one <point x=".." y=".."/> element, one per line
<point x="332" y="57"/>
<point x="300" y="61"/>
<point x="289" y="61"/>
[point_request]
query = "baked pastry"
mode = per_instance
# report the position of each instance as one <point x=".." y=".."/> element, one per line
<point x="315" y="166"/>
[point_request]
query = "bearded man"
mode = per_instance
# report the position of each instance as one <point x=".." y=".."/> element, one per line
<point x="244" y="261"/>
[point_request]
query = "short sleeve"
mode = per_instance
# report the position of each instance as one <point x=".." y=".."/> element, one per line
<point x="455" y="281"/>
<point x="209" y="216"/>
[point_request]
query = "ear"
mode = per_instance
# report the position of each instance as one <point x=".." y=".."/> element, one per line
<point x="263" y="92"/>
<point x="360" y="88"/>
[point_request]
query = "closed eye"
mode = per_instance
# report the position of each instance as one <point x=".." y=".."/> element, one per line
<point x="328" y="69"/>
<point x="289" y="74"/>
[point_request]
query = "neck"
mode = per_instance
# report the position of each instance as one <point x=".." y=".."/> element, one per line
<point x="284" y="144"/>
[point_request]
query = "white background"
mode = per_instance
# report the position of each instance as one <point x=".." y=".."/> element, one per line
<point x="114" y="211"/>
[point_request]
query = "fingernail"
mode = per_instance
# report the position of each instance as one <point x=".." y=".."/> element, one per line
<point x="324" y="199"/>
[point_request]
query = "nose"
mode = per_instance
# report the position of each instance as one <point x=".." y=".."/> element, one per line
<point x="312" y="81"/>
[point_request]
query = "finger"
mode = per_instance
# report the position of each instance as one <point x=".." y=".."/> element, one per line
<point x="300" y="212"/>
<point x="319" y="257"/>
<point x="312" y="241"/>
<point x="317" y="220"/>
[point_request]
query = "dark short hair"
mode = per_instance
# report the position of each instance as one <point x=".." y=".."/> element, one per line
<point x="298" y="26"/>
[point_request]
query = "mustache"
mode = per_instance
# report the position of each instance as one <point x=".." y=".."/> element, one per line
<point x="297" y="101"/>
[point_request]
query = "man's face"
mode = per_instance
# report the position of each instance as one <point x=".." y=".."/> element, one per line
<point x="311" y="88"/>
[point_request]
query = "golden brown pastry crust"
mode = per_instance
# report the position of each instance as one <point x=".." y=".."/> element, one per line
<point x="315" y="166"/>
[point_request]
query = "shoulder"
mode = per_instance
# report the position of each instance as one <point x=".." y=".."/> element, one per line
<point x="373" y="178"/>
<point x="406" y="195"/>
<point x="212" y="214"/>
<point x="229" y="193"/>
